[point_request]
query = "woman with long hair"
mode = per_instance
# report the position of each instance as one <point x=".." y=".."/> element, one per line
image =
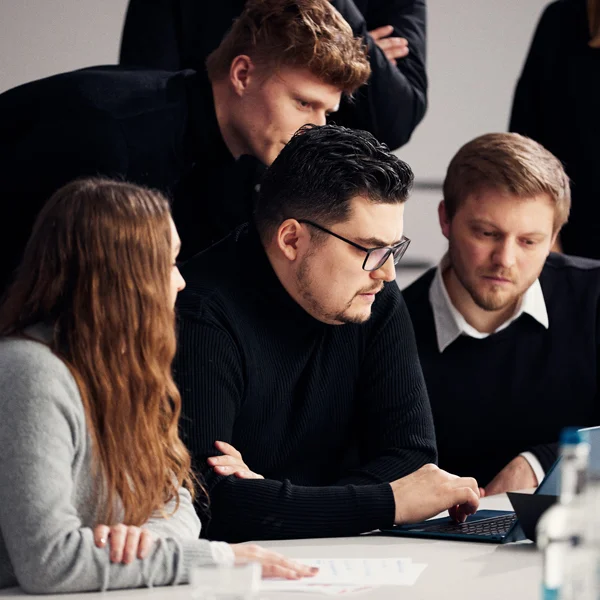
<point x="96" y="490"/>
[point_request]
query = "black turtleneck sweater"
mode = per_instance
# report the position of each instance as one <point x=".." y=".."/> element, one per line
<point x="155" y="128"/>
<point x="328" y="414"/>
<point x="514" y="390"/>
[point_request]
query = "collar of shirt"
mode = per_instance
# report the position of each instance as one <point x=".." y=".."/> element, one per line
<point x="450" y="324"/>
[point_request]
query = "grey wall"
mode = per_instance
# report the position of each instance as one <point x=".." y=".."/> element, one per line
<point x="476" y="49"/>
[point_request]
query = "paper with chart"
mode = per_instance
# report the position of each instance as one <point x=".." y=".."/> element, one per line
<point x="351" y="574"/>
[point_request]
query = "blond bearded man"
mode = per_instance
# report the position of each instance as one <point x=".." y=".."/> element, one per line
<point x="508" y="332"/>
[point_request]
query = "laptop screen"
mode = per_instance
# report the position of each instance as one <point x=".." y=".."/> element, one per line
<point x="550" y="485"/>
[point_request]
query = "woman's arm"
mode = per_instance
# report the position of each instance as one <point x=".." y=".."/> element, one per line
<point x="183" y="523"/>
<point x="44" y="475"/>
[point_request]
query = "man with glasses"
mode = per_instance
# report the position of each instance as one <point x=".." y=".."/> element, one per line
<point x="297" y="356"/>
<point x="508" y="333"/>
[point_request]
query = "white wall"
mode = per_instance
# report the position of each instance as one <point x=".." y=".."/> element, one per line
<point x="475" y="53"/>
<point x="43" y="37"/>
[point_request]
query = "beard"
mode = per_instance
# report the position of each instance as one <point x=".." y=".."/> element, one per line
<point x="344" y="316"/>
<point x="304" y="281"/>
<point x="493" y="298"/>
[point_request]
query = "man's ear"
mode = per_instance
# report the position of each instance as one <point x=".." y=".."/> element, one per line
<point x="291" y="239"/>
<point x="444" y="219"/>
<point x="241" y="71"/>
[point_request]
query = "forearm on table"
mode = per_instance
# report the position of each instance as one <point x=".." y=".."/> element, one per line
<point x="267" y="509"/>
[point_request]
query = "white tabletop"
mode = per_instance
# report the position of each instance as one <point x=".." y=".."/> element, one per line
<point x="455" y="570"/>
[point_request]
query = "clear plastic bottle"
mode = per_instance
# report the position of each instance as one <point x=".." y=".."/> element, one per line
<point x="560" y="532"/>
<point x="592" y="525"/>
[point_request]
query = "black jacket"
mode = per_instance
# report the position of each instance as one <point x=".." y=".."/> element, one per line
<point x="155" y="128"/>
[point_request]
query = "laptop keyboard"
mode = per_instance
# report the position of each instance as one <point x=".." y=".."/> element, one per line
<point x="492" y="526"/>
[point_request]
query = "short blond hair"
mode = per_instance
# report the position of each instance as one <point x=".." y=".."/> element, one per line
<point x="510" y="163"/>
<point x="295" y="33"/>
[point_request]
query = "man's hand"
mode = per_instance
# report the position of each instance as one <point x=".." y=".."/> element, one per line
<point x="126" y="543"/>
<point x="231" y="463"/>
<point x="393" y="47"/>
<point x="429" y="491"/>
<point x="516" y="475"/>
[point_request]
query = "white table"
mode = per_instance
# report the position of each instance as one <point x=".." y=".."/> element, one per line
<point x="456" y="570"/>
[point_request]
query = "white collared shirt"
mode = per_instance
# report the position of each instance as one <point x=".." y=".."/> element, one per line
<point x="450" y="324"/>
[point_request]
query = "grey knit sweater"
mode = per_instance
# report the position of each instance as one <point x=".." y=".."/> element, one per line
<point x="47" y="503"/>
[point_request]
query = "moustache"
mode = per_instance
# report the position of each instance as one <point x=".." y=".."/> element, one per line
<point x="374" y="290"/>
<point x="499" y="275"/>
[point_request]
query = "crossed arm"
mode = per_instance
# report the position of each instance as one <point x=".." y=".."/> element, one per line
<point x="394" y="100"/>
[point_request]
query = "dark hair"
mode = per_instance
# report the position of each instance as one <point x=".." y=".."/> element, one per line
<point x="309" y="34"/>
<point x="321" y="169"/>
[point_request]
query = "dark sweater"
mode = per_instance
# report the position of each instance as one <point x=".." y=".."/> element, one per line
<point x="155" y="128"/>
<point x="176" y="34"/>
<point x="513" y="391"/>
<point x="556" y="103"/>
<point x="328" y="414"/>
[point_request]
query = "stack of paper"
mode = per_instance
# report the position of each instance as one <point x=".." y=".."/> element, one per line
<point x="344" y="575"/>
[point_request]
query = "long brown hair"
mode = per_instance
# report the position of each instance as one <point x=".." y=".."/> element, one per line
<point x="97" y="267"/>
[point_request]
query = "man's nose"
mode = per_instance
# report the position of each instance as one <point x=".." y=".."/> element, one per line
<point x="181" y="282"/>
<point x="321" y="118"/>
<point x="505" y="253"/>
<point x="387" y="271"/>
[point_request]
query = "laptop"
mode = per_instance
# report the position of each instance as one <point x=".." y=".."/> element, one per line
<point x="501" y="526"/>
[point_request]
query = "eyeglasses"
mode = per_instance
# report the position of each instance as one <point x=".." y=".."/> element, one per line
<point x="376" y="257"/>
